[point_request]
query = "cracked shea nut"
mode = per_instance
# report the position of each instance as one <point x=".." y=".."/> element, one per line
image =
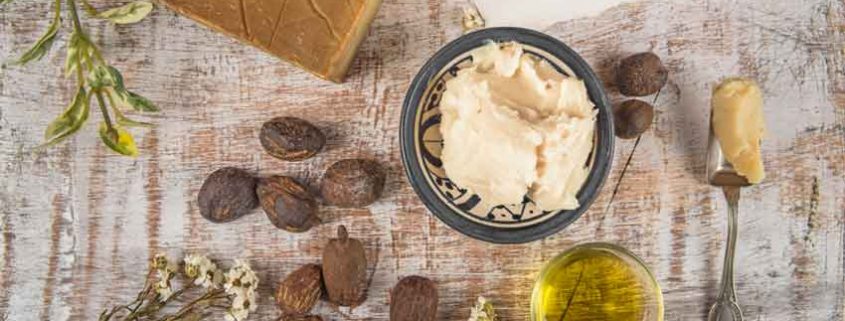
<point x="414" y="298"/>
<point x="227" y="194"/>
<point x="640" y="75"/>
<point x="632" y="118"/>
<point x="345" y="270"/>
<point x="299" y="291"/>
<point x="291" y="138"/>
<point x="353" y="183"/>
<point x="288" y="204"/>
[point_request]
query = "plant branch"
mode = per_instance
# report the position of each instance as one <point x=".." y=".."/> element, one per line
<point x="77" y="27"/>
<point x="210" y="296"/>
<point x="103" y="109"/>
<point x="74" y="15"/>
<point x="57" y="11"/>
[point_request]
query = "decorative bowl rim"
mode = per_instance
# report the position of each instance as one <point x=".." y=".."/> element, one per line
<point x="416" y="173"/>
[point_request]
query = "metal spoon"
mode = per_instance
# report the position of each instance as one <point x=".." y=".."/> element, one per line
<point x="721" y="173"/>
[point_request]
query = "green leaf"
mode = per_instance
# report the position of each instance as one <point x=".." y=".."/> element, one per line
<point x="40" y="47"/>
<point x="118" y="139"/>
<point x="77" y="48"/>
<point x="70" y="121"/>
<point x="117" y="78"/>
<point x="89" y="9"/>
<point x="102" y="76"/>
<point x="126" y="98"/>
<point x="99" y="77"/>
<point x="2" y="2"/>
<point x="139" y="103"/>
<point x="124" y="121"/>
<point x="129" y="13"/>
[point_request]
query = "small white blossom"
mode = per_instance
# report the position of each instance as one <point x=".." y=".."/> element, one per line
<point x="165" y="271"/>
<point x="236" y="315"/>
<point x="241" y="283"/>
<point x="241" y="276"/>
<point x="163" y="291"/>
<point x="482" y="311"/>
<point x="204" y="272"/>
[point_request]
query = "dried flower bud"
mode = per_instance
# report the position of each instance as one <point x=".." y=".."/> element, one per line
<point x="483" y="311"/>
<point x="241" y="283"/>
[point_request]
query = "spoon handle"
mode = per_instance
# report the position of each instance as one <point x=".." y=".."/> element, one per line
<point x="727" y="291"/>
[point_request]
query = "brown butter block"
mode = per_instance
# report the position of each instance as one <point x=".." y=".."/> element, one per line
<point x="321" y="36"/>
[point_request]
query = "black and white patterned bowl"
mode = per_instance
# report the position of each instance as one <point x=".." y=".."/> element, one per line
<point x="422" y="143"/>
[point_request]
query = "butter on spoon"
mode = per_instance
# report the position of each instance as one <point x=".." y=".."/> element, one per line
<point x="739" y="126"/>
<point x="734" y="161"/>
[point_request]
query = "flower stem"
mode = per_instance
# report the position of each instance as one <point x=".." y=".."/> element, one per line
<point x="103" y="109"/>
<point x="74" y="15"/>
<point x="210" y="296"/>
<point x="77" y="27"/>
<point x="57" y="13"/>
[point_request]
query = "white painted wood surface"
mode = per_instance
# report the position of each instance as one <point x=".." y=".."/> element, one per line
<point x="79" y="223"/>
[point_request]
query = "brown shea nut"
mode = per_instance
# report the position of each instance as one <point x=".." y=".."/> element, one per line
<point x="414" y="298"/>
<point x="640" y="75"/>
<point x="287" y="203"/>
<point x="291" y="139"/>
<point x="353" y="183"/>
<point x="227" y="194"/>
<point x="632" y="118"/>
<point x="299" y="291"/>
<point x="300" y="318"/>
<point x="345" y="270"/>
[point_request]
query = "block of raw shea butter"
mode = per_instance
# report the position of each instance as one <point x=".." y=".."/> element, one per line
<point x="321" y="36"/>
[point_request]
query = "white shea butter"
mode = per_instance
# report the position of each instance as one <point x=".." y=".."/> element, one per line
<point x="513" y="126"/>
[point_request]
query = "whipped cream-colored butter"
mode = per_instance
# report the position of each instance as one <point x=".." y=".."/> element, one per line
<point x="513" y="126"/>
<point x="738" y="123"/>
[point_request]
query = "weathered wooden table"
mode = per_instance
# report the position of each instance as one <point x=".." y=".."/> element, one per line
<point x="79" y="223"/>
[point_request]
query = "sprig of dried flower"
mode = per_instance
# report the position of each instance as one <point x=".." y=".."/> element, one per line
<point x="483" y="311"/>
<point x="204" y="288"/>
<point x="95" y="78"/>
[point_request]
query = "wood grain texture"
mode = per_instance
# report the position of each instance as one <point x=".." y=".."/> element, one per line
<point x="78" y="222"/>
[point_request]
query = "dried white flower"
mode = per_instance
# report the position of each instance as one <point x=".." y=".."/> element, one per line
<point x="165" y="271"/>
<point x="241" y="283"/>
<point x="203" y="271"/>
<point x="236" y="315"/>
<point x="472" y="19"/>
<point x="482" y="311"/>
<point x="163" y="290"/>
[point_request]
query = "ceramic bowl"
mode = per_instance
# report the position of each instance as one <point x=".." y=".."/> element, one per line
<point x="421" y="143"/>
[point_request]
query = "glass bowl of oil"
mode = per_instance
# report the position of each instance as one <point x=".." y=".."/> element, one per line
<point x="596" y="282"/>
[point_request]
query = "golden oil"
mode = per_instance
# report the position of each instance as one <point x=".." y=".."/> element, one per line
<point x="596" y="282"/>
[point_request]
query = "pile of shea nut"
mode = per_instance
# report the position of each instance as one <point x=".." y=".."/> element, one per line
<point x="341" y="279"/>
<point x="639" y="75"/>
<point x="230" y="193"/>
